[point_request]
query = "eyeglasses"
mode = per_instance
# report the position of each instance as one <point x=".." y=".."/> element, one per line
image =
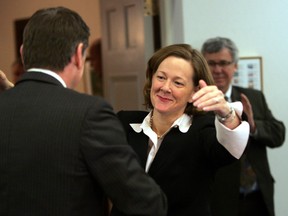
<point x="220" y="64"/>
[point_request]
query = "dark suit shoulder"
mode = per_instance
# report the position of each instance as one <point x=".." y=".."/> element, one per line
<point x="84" y="99"/>
<point x="255" y="96"/>
<point x="248" y="91"/>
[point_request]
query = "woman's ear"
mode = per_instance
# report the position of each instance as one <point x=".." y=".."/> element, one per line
<point x="196" y="88"/>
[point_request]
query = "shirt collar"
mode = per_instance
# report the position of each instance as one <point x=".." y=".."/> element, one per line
<point x="49" y="72"/>
<point x="183" y="123"/>
<point x="228" y="93"/>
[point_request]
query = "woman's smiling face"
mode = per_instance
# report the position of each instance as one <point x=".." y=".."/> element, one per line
<point x="172" y="86"/>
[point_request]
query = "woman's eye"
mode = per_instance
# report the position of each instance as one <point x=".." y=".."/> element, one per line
<point x="179" y="83"/>
<point x="160" y="77"/>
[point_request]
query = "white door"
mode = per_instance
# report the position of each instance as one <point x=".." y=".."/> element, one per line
<point x="123" y="53"/>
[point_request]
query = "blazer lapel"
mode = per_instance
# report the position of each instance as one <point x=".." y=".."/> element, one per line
<point x="139" y="143"/>
<point x="235" y="96"/>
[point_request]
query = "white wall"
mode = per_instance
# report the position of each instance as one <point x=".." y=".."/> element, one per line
<point x="259" y="28"/>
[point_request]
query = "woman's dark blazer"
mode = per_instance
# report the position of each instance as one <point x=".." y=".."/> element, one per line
<point x="184" y="164"/>
<point x="270" y="133"/>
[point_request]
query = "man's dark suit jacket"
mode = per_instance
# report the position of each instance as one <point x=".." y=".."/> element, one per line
<point x="184" y="164"/>
<point x="270" y="133"/>
<point x="62" y="152"/>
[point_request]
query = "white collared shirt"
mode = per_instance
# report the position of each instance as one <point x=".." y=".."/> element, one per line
<point x="224" y="135"/>
<point x="228" y="93"/>
<point x="183" y="123"/>
<point x="48" y="72"/>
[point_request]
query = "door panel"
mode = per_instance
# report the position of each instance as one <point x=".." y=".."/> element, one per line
<point x="123" y="53"/>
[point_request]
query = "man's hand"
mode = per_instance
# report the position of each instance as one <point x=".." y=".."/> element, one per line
<point x="4" y="82"/>
<point x="247" y="109"/>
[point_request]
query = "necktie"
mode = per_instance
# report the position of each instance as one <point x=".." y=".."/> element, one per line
<point x="247" y="176"/>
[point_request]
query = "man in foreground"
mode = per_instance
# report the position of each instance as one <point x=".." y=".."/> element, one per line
<point x="61" y="152"/>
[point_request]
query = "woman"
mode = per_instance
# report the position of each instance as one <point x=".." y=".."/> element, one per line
<point x="180" y="142"/>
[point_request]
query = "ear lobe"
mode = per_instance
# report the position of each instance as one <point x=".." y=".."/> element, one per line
<point x="21" y="52"/>
<point x="236" y="67"/>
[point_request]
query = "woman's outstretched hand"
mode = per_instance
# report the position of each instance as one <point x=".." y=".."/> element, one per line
<point x="210" y="98"/>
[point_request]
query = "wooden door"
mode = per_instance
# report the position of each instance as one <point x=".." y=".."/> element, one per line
<point x="123" y="53"/>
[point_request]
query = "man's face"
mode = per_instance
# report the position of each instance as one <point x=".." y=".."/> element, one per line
<point x="222" y="67"/>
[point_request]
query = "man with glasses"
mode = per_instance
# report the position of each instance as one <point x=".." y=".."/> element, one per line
<point x="247" y="186"/>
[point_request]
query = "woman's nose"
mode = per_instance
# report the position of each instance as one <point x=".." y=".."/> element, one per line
<point x="166" y="86"/>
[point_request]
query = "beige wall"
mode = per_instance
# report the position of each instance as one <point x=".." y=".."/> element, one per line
<point x="12" y="10"/>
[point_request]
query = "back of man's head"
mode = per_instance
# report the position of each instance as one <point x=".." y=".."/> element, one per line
<point x="51" y="37"/>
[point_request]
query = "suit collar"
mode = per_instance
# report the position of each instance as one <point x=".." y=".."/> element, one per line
<point x="235" y="95"/>
<point x="50" y="73"/>
<point x="39" y="77"/>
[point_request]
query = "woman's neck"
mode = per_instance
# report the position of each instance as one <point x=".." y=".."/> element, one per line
<point x="160" y="123"/>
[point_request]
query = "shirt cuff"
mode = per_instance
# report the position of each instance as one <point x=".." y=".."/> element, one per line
<point x="235" y="140"/>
